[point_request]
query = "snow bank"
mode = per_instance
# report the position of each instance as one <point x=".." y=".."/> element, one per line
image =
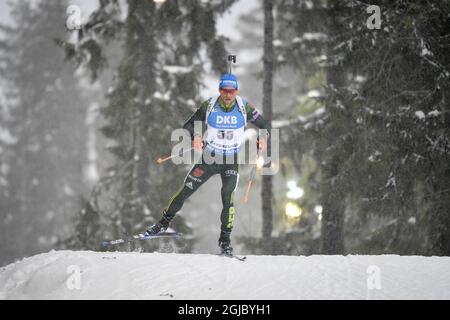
<point x="114" y="275"/>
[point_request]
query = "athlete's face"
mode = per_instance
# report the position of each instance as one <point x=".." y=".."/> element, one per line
<point x="228" y="95"/>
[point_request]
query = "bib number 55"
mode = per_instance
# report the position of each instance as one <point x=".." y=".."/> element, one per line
<point x="222" y="134"/>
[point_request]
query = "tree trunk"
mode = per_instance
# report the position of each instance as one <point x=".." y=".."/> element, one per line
<point x="333" y="213"/>
<point x="266" y="192"/>
<point x="333" y="196"/>
<point x="143" y="72"/>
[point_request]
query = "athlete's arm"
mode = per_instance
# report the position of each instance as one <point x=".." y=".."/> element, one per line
<point x="199" y="115"/>
<point x="255" y="117"/>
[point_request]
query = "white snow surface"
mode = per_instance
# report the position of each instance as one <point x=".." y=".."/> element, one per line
<point x="133" y="275"/>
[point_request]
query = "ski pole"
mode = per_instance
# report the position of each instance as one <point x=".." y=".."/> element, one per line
<point x="251" y="178"/>
<point x="159" y="160"/>
<point x="249" y="185"/>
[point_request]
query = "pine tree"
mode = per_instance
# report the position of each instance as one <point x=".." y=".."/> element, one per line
<point x="155" y="90"/>
<point x="384" y="126"/>
<point x="7" y="141"/>
<point x="304" y="31"/>
<point x="403" y="103"/>
<point x="290" y="85"/>
<point x="46" y="120"/>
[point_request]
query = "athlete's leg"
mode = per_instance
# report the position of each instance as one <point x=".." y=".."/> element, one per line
<point x="196" y="176"/>
<point x="230" y="177"/>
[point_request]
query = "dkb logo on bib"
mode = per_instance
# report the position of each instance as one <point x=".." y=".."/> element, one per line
<point x="226" y="120"/>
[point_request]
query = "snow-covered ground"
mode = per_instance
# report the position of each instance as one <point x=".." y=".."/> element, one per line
<point x="119" y="275"/>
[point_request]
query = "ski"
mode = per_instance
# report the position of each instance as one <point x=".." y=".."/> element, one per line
<point x="240" y="258"/>
<point x="141" y="236"/>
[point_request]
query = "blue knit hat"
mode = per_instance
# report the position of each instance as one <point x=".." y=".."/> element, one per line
<point x="228" y="80"/>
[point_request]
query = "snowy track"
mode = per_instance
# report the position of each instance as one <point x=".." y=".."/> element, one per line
<point x="96" y="275"/>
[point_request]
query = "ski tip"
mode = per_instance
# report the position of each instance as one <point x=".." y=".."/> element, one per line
<point x="170" y="234"/>
<point x="240" y="258"/>
<point x="175" y="235"/>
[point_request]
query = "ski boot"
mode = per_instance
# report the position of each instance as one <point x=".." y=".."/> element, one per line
<point x="225" y="244"/>
<point x="158" y="227"/>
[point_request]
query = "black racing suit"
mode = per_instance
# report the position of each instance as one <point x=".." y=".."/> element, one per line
<point x="202" y="171"/>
